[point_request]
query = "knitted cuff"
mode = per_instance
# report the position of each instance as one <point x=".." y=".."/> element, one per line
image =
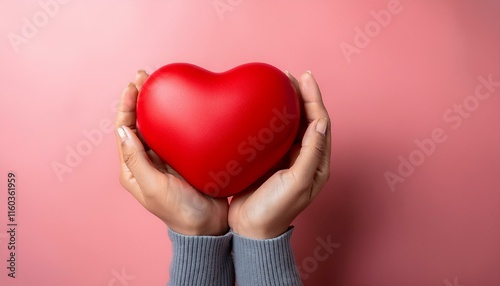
<point x="201" y="260"/>
<point x="265" y="262"/>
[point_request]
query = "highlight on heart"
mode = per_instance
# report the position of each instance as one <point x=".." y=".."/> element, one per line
<point x="220" y="131"/>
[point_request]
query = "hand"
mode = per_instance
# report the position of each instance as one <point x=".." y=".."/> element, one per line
<point x="157" y="186"/>
<point x="268" y="211"/>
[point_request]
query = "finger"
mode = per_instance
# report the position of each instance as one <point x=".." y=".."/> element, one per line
<point x="312" y="155"/>
<point x="126" y="114"/>
<point x="127" y="178"/>
<point x="303" y="122"/>
<point x="314" y="107"/>
<point x="137" y="161"/>
<point x="294" y="81"/>
<point x="140" y="78"/>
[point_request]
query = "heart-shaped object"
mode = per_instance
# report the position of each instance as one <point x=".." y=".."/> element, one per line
<point x="220" y="131"/>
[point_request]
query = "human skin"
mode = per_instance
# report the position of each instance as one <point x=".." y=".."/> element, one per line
<point x="263" y="210"/>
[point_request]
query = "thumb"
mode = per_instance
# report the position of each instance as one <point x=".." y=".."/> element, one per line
<point x="137" y="161"/>
<point x="312" y="152"/>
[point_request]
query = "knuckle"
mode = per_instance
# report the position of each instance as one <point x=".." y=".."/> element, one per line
<point x="302" y="183"/>
<point x="123" y="181"/>
<point x="153" y="192"/>
<point x="126" y="183"/>
<point x="149" y="195"/>
<point x="318" y="149"/>
<point x="323" y="177"/>
<point x="327" y="174"/>
<point x="130" y="158"/>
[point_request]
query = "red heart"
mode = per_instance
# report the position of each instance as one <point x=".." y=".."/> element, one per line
<point x="220" y="131"/>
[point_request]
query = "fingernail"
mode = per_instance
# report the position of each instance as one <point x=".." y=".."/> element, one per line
<point x="309" y="72"/>
<point x="321" y="126"/>
<point x="130" y="84"/>
<point x="287" y="72"/>
<point x="122" y="133"/>
<point x="141" y="71"/>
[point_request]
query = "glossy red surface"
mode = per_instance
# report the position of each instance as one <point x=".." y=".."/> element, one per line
<point x="220" y="131"/>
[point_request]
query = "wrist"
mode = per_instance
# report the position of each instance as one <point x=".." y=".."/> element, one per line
<point x="259" y="233"/>
<point x="204" y="230"/>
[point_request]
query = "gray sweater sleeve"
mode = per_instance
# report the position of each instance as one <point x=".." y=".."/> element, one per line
<point x="268" y="262"/>
<point x="207" y="261"/>
<point x="201" y="260"/>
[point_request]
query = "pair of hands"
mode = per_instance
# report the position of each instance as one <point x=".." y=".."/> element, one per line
<point x="260" y="212"/>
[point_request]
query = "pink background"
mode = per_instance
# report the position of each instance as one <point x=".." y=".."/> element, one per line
<point x="441" y="226"/>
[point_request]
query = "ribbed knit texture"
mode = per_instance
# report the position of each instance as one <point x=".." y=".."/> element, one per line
<point x="268" y="262"/>
<point x="201" y="260"/>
